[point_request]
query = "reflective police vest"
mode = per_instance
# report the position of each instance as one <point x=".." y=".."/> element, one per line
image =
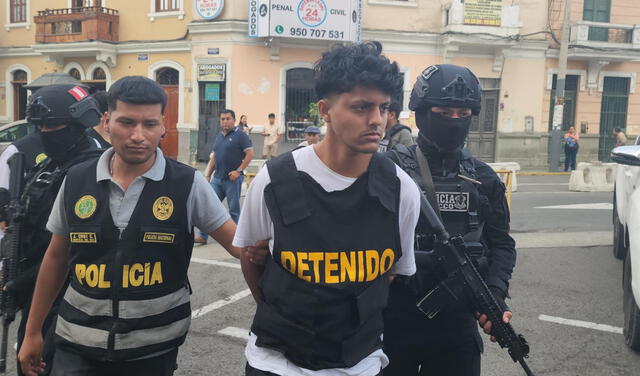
<point x="128" y="295"/>
<point x="326" y="285"/>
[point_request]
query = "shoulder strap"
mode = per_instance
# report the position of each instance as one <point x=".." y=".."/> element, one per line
<point x="397" y="128"/>
<point x="427" y="181"/>
<point x="287" y="189"/>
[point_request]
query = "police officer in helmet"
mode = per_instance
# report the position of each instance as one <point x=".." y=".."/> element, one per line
<point x="470" y="199"/>
<point x="62" y="114"/>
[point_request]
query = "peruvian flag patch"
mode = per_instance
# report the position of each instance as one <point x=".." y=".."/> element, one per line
<point x="78" y="93"/>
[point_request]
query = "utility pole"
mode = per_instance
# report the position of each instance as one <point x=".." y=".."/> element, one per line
<point x="558" y="108"/>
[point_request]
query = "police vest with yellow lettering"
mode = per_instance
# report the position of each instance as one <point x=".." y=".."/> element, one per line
<point x="326" y="286"/>
<point x="128" y="295"/>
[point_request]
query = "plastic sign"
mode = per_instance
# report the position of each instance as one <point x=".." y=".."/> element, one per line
<point x="209" y="9"/>
<point x="337" y="20"/>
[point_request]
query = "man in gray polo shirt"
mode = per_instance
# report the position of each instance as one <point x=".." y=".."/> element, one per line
<point x="123" y="231"/>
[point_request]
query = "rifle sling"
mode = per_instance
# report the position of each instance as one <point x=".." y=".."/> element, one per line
<point x="426" y="182"/>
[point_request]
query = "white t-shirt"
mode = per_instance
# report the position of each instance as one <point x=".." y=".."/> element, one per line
<point x="255" y="224"/>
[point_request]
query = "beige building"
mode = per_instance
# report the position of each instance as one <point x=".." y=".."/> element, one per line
<point x="208" y="64"/>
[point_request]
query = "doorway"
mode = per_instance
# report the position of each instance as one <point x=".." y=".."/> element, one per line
<point x="482" y="135"/>
<point x="169" y="78"/>
<point x="19" y="94"/>
<point x="613" y="113"/>
<point x="212" y="100"/>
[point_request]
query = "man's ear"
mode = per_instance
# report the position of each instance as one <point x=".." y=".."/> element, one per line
<point x="106" y="118"/>
<point x="324" y="105"/>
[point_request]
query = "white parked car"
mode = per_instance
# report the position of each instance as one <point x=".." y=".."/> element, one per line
<point x="626" y="236"/>
<point x="9" y="133"/>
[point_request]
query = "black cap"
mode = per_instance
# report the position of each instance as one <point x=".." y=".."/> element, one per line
<point x="62" y="104"/>
<point x="446" y="85"/>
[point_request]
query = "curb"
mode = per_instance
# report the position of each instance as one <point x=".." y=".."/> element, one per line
<point x="542" y="173"/>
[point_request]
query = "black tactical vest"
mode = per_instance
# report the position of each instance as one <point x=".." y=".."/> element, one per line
<point x="128" y="296"/>
<point x="32" y="148"/>
<point x="326" y="286"/>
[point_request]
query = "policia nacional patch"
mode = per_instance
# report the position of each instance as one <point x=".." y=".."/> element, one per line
<point x="163" y="208"/>
<point x="40" y="157"/>
<point x="85" y="206"/>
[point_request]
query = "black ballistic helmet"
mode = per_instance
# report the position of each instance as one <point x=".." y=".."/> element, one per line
<point x="446" y="85"/>
<point x="62" y="104"/>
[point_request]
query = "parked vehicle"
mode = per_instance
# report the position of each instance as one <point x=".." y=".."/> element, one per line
<point x="9" y="133"/>
<point x="626" y="236"/>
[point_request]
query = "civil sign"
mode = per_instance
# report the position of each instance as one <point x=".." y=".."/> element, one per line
<point x="338" y="20"/>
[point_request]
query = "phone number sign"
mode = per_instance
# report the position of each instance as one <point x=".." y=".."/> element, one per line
<point x="338" y="20"/>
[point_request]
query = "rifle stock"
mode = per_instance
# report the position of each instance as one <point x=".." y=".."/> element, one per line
<point x="11" y="251"/>
<point x="465" y="284"/>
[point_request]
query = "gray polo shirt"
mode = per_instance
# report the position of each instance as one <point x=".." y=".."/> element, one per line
<point x="204" y="209"/>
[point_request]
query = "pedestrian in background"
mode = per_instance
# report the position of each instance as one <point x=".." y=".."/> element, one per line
<point x="311" y="135"/>
<point x="97" y="132"/>
<point x="272" y="133"/>
<point x="232" y="152"/>
<point x="621" y="138"/>
<point x="243" y="125"/>
<point x="395" y="133"/>
<point x="571" y="146"/>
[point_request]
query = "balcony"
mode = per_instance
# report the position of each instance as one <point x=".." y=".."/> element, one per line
<point x="76" y="25"/>
<point x="605" y="35"/>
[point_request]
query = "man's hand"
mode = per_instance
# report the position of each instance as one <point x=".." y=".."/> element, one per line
<point x="234" y="175"/>
<point x="258" y="253"/>
<point x="485" y="324"/>
<point x="30" y="356"/>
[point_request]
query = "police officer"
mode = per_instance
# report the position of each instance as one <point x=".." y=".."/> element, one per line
<point x="122" y="229"/>
<point x="97" y="132"/>
<point x="334" y="213"/>
<point x="471" y="202"/>
<point x="62" y="113"/>
<point x="395" y="133"/>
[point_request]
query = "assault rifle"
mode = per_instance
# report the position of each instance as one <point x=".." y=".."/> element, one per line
<point x="465" y="285"/>
<point x="10" y="252"/>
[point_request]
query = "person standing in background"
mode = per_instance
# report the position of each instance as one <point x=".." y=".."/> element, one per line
<point x="621" y="138"/>
<point x="311" y="135"/>
<point x="232" y="152"/>
<point x="571" y="147"/>
<point x="272" y="134"/>
<point x="243" y="125"/>
<point x="98" y="132"/>
<point x="395" y="133"/>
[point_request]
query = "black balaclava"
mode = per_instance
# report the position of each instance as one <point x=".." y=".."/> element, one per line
<point x="443" y="133"/>
<point x="63" y="144"/>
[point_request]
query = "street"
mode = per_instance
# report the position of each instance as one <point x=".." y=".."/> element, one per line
<point x="566" y="289"/>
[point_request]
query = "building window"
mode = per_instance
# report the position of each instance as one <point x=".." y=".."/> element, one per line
<point x="167" y="5"/>
<point x="73" y="72"/>
<point x="18" y="11"/>
<point x="20" y="76"/>
<point x="99" y="75"/>
<point x="166" y="8"/>
<point x="167" y="76"/>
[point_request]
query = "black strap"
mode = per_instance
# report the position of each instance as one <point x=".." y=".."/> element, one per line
<point x="287" y="188"/>
<point x="397" y="128"/>
<point x="426" y="183"/>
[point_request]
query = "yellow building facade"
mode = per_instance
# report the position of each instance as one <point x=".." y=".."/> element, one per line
<point x="206" y="65"/>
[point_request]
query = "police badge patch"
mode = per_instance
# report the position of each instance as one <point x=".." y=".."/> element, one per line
<point x="453" y="201"/>
<point x="162" y="208"/>
<point x="85" y="206"/>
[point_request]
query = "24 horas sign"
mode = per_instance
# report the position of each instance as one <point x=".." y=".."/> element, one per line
<point x="338" y="20"/>
<point x="209" y="9"/>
